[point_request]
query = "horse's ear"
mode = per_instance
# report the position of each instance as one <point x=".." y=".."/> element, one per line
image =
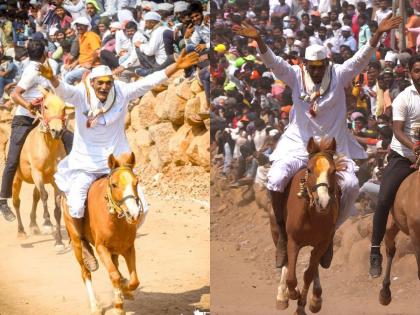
<point x="132" y="160"/>
<point x="332" y="146"/>
<point x="112" y="162"/>
<point x="42" y="90"/>
<point x="312" y="146"/>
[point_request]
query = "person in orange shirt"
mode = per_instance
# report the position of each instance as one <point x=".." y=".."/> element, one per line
<point x="89" y="47"/>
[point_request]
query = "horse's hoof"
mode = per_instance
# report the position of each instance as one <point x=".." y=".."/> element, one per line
<point x="282" y="305"/>
<point x="315" y="304"/>
<point x="118" y="311"/>
<point x="59" y="247"/>
<point x="22" y="235"/>
<point x="385" y="296"/>
<point x="47" y="228"/>
<point x="300" y="312"/>
<point x="294" y="295"/>
<point x="34" y="230"/>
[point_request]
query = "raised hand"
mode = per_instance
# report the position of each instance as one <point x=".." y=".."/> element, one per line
<point x="186" y="60"/>
<point x="246" y="30"/>
<point x="389" y="23"/>
<point x="46" y="71"/>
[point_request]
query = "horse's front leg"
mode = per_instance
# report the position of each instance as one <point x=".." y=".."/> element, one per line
<point x="39" y="183"/>
<point x="291" y="281"/>
<point x="17" y="185"/>
<point x="130" y="258"/>
<point x="115" y="277"/>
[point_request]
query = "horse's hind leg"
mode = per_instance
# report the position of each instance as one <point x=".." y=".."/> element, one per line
<point x="115" y="277"/>
<point x="57" y="215"/>
<point x="39" y="183"/>
<point x="391" y="233"/>
<point x="33" y="226"/>
<point x="415" y="240"/>
<point x="17" y="184"/>
<point x="130" y="259"/>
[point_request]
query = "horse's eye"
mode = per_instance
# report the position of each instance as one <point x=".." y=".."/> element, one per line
<point x="113" y="185"/>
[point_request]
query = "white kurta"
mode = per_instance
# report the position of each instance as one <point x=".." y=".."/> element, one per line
<point x="330" y="120"/>
<point x="88" y="158"/>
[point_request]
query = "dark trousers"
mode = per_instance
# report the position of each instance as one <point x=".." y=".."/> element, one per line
<point x="109" y="59"/>
<point x="21" y="127"/>
<point x="397" y="169"/>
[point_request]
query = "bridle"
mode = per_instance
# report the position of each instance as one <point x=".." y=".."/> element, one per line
<point x="45" y="127"/>
<point x="307" y="192"/>
<point x="115" y="206"/>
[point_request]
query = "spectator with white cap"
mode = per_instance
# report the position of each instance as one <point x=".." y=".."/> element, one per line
<point x="391" y="59"/>
<point x="158" y="52"/>
<point x="89" y="46"/>
<point x="317" y="111"/>
<point x="347" y="38"/>
<point x="290" y="40"/>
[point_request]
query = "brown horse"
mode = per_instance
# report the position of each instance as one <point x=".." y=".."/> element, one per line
<point x="406" y="218"/>
<point x="42" y="151"/>
<point x="114" y="211"/>
<point x="312" y="205"/>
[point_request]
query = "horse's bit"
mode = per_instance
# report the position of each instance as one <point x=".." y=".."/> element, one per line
<point x="115" y="206"/>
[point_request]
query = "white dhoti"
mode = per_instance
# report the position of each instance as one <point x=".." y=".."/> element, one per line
<point x="283" y="170"/>
<point x="75" y="184"/>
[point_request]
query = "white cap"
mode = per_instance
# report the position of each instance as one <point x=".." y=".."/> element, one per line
<point x="152" y="16"/>
<point x="116" y="25"/>
<point x="391" y="56"/>
<point x="286" y="18"/>
<point x="315" y="53"/>
<point x="346" y="28"/>
<point x="267" y="74"/>
<point x="273" y="132"/>
<point x="165" y="7"/>
<point x="298" y="43"/>
<point x="323" y="15"/>
<point x="180" y="6"/>
<point x="81" y="20"/>
<point x="100" y="71"/>
<point x="149" y="4"/>
<point x="288" y="33"/>
<point x="52" y="31"/>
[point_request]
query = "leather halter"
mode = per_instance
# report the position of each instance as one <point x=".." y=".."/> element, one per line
<point x="46" y="120"/>
<point x="115" y="206"/>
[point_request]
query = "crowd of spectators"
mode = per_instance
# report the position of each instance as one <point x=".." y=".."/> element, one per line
<point x="250" y="107"/>
<point x="133" y="37"/>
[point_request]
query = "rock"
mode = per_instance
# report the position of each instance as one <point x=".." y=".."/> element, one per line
<point x="207" y="123"/>
<point x="143" y="115"/>
<point x="143" y="142"/>
<point x="160" y="135"/>
<point x="154" y="159"/>
<point x="183" y="90"/>
<point x="199" y="150"/>
<point x="196" y="86"/>
<point x="192" y="107"/>
<point x="175" y="105"/>
<point x="161" y="106"/>
<point x="179" y="143"/>
<point x="127" y="122"/>
<point x="204" y="106"/>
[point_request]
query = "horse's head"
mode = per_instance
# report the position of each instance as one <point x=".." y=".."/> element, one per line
<point x="122" y="188"/>
<point x="52" y="114"/>
<point x="321" y="171"/>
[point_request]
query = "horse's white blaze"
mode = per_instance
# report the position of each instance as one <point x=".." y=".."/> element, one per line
<point x="323" y="195"/>
<point x="131" y="204"/>
<point x="91" y="293"/>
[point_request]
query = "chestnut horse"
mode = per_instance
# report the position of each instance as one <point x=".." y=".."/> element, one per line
<point x="42" y="151"/>
<point x="312" y="204"/>
<point x="406" y="218"/>
<point x="114" y="211"/>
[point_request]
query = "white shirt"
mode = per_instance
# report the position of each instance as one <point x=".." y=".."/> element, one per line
<point x="330" y="120"/>
<point x="29" y="81"/>
<point x="155" y="46"/>
<point x="92" y="146"/>
<point x="351" y="42"/>
<point x="406" y="108"/>
<point x="380" y="15"/>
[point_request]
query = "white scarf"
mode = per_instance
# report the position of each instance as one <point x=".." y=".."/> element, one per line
<point x="310" y="87"/>
<point x="96" y="107"/>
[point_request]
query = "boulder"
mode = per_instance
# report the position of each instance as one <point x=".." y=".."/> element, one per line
<point x="192" y="107"/>
<point x="160" y="135"/>
<point x="161" y="106"/>
<point x="199" y="150"/>
<point x="204" y="106"/>
<point x="143" y="115"/>
<point x="179" y="143"/>
<point x="196" y="86"/>
<point x="183" y="90"/>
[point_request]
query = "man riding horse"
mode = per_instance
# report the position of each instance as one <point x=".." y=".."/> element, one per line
<point x="319" y="110"/>
<point x="100" y="109"/>
<point x="28" y="97"/>
<point x="405" y="150"/>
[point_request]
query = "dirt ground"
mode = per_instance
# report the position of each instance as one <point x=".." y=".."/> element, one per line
<point x="244" y="280"/>
<point x="173" y="263"/>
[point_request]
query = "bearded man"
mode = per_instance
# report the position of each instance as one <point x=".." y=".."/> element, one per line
<point x="319" y="110"/>
<point x="100" y="109"/>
